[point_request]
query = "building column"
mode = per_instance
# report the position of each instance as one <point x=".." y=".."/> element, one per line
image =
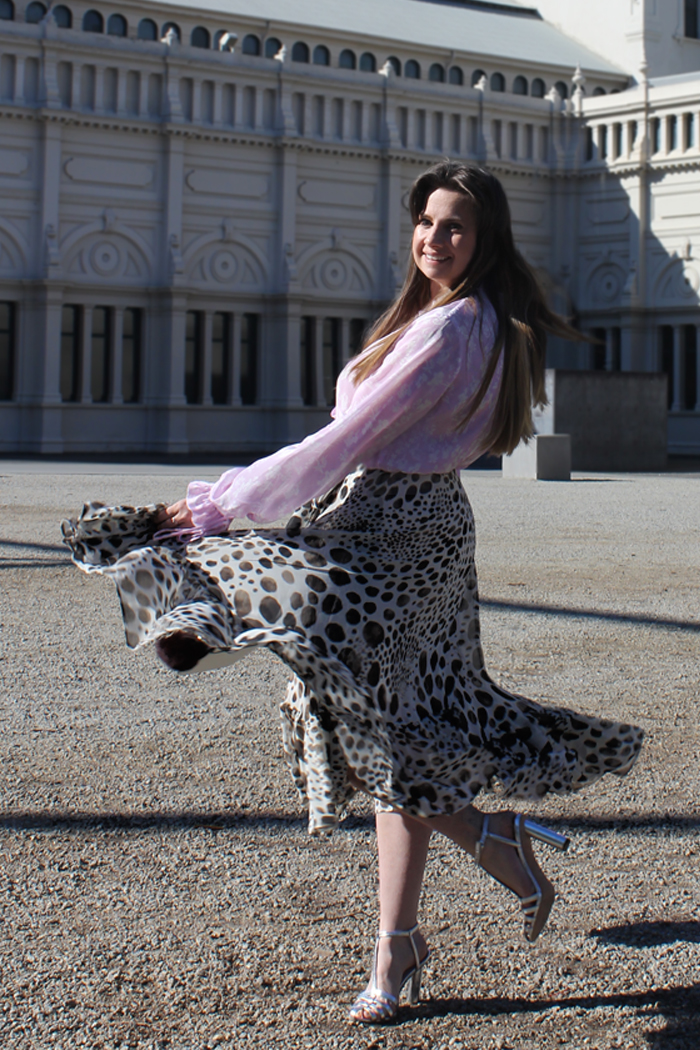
<point x="116" y="363"/>
<point x="196" y="100"/>
<point x="318" y="360"/>
<point x="206" y="357"/>
<point x="678" y="370"/>
<point x="84" y="388"/>
<point x="234" y="379"/>
<point x="344" y="342"/>
<point x="218" y="96"/>
<point x="608" y="350"/>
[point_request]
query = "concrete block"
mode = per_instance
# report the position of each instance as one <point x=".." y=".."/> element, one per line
<point x="546" y="457"/>
<point x="617" y="420"/>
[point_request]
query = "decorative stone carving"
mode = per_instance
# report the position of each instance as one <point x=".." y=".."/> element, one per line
<point x="226" y="258"/>
<point x="337" y="194"/>
<point x="227" y="183"/>
<point x="606" y="282"/>
<point x="289" y="263"/>
<point x="13" y="162"/>
<point x="13" y="250"/>
<point x="176" y="264"/>
<point x="679" y="282"/>
<point x="105" y="171"/>
<point x="104" y="250"/>
<point x="336" y="267"/>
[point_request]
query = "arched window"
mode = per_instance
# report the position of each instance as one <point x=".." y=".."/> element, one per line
<point x="116" y="25"/>
<point x="7" y="10"/>
<point x="455" y="75"/>
<point x="437" y="73"/>
<point x="34" y="12"/>
<point x="537" y="88"/>
<point x="251" y="44"/>
<point x="562" y="89"/>
<point x="498" y="82"/>
<point x="93" y="22"/>
<point x="199" y="37"/>
<point x="272" y="46"/>
<point x="598" y="91"/>
<point x="300" y="52"/>
<point x="147" y="29"/>
<point x="412" y="69"/>
<point x="395" y="64"/>
<point x="368" y="63"/>
<point x="520" y="86"/>
<point x="175" y="28"/>
<point x="322" y="56"/>
<point x="476" y="76"/>
<point x="62" y="16"/>
<point x="347" y="59"/>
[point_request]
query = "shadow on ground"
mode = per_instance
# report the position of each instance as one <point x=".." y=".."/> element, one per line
<point x="679" y="1006"/>
<point x="175" y="820"/>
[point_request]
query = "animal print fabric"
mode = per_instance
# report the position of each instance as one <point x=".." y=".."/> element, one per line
<point x="370" y="596"/>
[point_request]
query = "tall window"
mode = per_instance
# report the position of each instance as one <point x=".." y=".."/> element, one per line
<point x="70" y="353"/>
<point x="7" y="351"/>
<point x="220" y="357"/>
<point x="93" y="22"/>
<point x="250" y="334"/>
<point x="692" y="21"/>
<point x="666" y="358"/>
<point x="34" y="12"/>
<point x="598" y="350"/>
<point x="368" y="63"/>
<point x="147" y="29"/>
<point x="358" y="326"/>
<point x="615" y="359"/>
<point x="308" y="360"/>
<point x="100" y="353"/>
<point x="7" y="10"/>
<point x="690" y="366"/>
<point x="250" y="45"/>
<point x="194" y="340"/>
<point x="331" y="357"/>
<point x="62" y="16"/>
<point x="131" y="356"/>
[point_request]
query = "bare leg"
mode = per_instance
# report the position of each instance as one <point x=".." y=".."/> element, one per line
<point x="402" y="846"/>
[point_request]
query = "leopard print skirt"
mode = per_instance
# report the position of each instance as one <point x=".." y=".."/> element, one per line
<point x="369" y="595"/>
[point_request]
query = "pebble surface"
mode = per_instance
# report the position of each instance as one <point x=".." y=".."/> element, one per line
<point x="158" y="888"/>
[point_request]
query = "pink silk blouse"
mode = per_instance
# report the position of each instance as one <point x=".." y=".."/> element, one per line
<point x="404" y="417"/>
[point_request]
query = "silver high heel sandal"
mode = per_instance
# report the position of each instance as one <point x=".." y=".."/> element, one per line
<point x="534" y="905"/>
<point x="375" y="1006"/>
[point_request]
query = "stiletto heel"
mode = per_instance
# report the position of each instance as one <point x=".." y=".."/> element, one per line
<point x="535" y="907"/>
<point x="551" y="838"/>
<point x="375" y="1006"/>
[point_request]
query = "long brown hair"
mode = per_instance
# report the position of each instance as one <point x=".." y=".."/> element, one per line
<point x="498" y="271"/>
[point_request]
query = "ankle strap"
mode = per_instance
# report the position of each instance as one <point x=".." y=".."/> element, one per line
<point x="403" y="933"/>
<point x="484" y="835"/>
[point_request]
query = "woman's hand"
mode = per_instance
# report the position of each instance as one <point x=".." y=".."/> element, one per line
<point x="177" y="516"/>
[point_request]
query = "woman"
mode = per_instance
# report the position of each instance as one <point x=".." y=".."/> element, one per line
<point x="370" y="593"/>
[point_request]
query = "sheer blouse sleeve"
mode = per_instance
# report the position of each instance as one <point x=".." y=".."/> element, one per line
<point x="420" y="368"/>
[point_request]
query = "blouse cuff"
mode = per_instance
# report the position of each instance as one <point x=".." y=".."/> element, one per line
<point x="205" y="514"/>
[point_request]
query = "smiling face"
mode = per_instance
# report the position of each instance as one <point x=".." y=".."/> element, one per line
<point x="444" y="239"/>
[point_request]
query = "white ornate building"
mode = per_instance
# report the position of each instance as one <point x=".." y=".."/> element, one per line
<point x="203" y="207"/>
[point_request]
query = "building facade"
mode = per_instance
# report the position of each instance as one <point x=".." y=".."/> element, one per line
<point x="203" y="209"/>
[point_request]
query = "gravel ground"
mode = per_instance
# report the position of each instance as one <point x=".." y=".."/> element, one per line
<point x="157" y="885"/>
